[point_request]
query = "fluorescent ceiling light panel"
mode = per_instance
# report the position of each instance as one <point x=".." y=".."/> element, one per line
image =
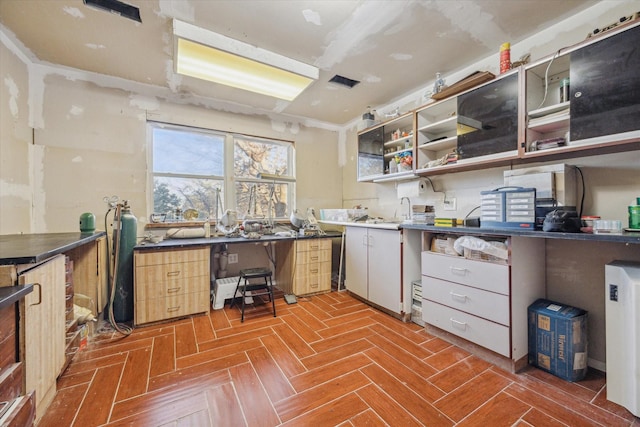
<point x="210" y="56"/>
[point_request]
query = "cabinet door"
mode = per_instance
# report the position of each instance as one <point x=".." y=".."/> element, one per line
<point x="488" y="119"/>
<point x="385" y="269"/>
<point x="356" y="261"/>
<point x="44" y="330"/>
<point x="89" y="275"/>
<point x="604" y="86"/>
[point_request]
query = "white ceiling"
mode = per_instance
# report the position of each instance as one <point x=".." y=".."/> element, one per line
<point x="392" y="47"/>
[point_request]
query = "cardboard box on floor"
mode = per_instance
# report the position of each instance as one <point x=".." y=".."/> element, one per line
<point x="558" y="339"/>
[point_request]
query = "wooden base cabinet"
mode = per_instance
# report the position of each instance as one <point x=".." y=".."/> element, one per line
<point x="171" y="283"/>
<point x="304" y="266"/>
<point x="90" y="266"/>
<point x="43" y="329"/>
<point x="17" y="409"/>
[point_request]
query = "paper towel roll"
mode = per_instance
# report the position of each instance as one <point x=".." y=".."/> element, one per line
<point x="411" y="189"/>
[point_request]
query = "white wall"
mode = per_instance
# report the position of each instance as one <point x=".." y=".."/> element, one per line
<point x="15" y="145"/>
<point x="90" y="142"/>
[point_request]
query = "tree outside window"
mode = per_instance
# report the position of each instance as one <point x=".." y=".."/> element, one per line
<point x="188" y="172"/>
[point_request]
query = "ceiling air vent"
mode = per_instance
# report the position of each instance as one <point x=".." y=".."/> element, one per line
<point x="117" y="7"/>
<point x="344" y="81"/>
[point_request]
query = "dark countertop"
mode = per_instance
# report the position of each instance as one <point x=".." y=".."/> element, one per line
<point x="33" y="248"/>
<point x="11" y="294"/>
<point x="625" y="237"/>
<point x="180" y="243"/>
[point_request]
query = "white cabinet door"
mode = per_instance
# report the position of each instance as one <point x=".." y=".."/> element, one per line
<point x="385" y="269"/>
<point x="356" y="261"/>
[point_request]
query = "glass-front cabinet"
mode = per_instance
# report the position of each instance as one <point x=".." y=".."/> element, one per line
<point x="605" y="88"/>
<point x="488" y="119"/>
<point x="385" y="151"/>
<point x="477" y="126"/>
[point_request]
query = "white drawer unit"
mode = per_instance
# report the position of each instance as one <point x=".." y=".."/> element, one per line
<point x="480" y="274"/>
<point x="489" y="305"/>
<point x="483" y="302"/>
<point x="487" y="334"/>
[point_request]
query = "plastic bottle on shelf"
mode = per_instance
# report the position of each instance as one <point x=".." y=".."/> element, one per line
<point x="207" y="229"/>
<point x="505" y="57"/>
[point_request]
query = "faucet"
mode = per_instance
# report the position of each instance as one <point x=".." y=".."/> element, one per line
<point x="408" y="214"/>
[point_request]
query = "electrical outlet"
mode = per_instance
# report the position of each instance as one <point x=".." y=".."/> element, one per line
<point x="233" y="258"/>
<point x="450" y="204"/>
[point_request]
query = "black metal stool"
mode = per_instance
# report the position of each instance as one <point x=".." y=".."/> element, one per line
<point x="256" y="289"/>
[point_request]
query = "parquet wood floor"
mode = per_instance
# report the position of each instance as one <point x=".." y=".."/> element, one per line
<point x="329" y="360"/>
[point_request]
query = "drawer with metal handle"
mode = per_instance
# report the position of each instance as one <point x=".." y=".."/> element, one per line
<point x="481" y="303"/>
<point x="155" y="309"/>
<point x="483" y="332"/>
<point x="481" y="274"/>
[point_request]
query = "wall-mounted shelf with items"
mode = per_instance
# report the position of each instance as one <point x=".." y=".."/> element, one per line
<point x="385" y="151"/>
<point x="436" y="134"/>
<point x="470" y="130"/>
<point x="519" y="116"/>
<point x="598" y="110"/>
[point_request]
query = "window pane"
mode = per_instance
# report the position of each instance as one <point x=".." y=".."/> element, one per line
<point x="193" y="153"/>
<point x="254" y="157"/>
<point x="186" y="193"/>
<point x="255" y="200"/>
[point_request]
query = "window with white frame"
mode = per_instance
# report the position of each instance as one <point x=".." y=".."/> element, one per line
<point x="211" y="171"/>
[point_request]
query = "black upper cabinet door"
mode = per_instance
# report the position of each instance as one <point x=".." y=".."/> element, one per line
<point x="605" y="86"/>
<point x="488" y="118"/>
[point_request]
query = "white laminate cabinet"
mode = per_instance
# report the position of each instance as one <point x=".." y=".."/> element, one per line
<point x="356" y="261"/>
<point x="374" y="266"/>
<point x="385" y="269"/>
<point x="43" y="326"/>
<point x="484" y="302"/>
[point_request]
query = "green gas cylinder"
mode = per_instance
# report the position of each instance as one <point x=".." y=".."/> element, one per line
<point x="125" y="230"/>
<point x="87" y="222"/>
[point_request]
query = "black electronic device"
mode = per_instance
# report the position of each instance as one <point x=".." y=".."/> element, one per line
<point x="562" y="220"/>
<point x="542" y="211"/>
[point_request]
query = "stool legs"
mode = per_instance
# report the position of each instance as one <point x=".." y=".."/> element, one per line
<point x="273" y="300"/>
<point x="233" y="299"/>
<point x="244" y="290"/>
<point x="268" y="285"/>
